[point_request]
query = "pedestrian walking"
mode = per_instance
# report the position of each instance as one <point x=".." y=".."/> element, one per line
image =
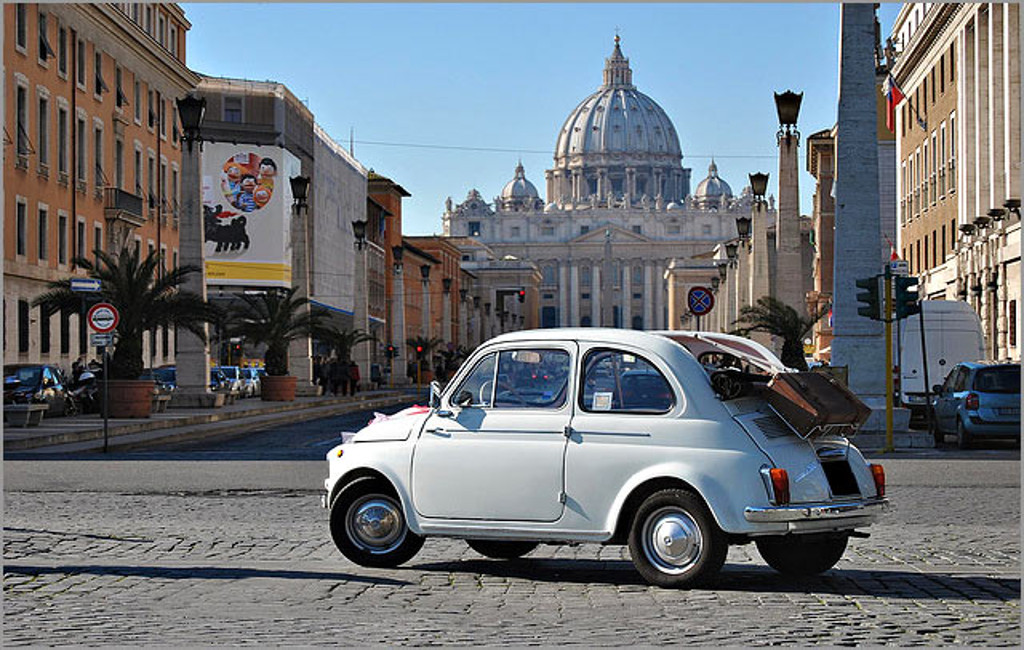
<point x="339" y="377"/>
<point x="353" y="376"/>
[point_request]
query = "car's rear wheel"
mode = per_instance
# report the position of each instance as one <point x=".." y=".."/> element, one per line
<point x="675" y="542"/>
<point x="963" y="437"/>
<point x="797" y="556"/>
<point x="501" y="549"/>
<point x="369" y="527"/>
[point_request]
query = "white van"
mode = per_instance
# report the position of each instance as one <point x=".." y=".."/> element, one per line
<point x="952" y="334"/>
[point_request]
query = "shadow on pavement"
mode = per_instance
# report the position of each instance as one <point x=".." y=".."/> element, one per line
<point x="191" y="573"/>
<point x="850" y="582"/>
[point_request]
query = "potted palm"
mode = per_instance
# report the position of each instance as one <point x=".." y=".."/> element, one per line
<point x="146" y="300"/>
<point x="772" y="316"/>
<point x="342" y="341"/>
<point x="423" y="351"/>
<point x="275" y="318"/>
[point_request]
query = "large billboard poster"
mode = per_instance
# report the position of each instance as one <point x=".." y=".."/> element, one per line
<point x="247" y="202"/>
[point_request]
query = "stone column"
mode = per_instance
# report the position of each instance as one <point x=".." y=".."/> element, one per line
<point x="857" y="342"/>
<point x="425" y="313"/>
<point x="463" y="338"/>
<point x="300" y="351"/>
<point x="398" y="376"/>
<point x="361" y="352"/>
<point x="192" y="357"/>
<point x="607" y="285"/>
<point x="789" y="280"/>
<point x="997" y="117"/>
<point x="648" y="296"/>
<point x="574" y="294"/>
<point x="446" y="311"/>
<point x="564" y="293"/>
<point x="625" y="309"/>
<point x="595" y="295"/>
<point x="760" y="274"/>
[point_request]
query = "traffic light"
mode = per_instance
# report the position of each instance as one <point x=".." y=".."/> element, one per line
<point x="419" y="351"/>
<point x="390" y="352"/>
<point x="907" y="298"/>
<point x="870" y="297"/>
<point x="521" y="295"/>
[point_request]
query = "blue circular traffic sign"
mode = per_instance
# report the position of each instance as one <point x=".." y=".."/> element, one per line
<point x="700" y="300"/>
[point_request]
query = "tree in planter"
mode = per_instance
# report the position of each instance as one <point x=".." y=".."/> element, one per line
<point x="427" y="347"/>
<point x="275" y="318"/>
<point x="342" y="341"/>
<point x="451" y="359"/>
<point x="144" y="300"/>
<point x="775" y="317"/>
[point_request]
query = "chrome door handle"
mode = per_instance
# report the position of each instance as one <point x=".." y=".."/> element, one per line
<point x="440" y="432"/>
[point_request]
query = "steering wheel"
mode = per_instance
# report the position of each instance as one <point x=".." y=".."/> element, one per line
<point x="509" y="389"/>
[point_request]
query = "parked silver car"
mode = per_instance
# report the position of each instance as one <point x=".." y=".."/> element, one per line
<point x="979" y="400"/>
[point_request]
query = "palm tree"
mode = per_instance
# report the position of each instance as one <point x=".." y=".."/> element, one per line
<point x="775" y="317"/>
<point x="452" y="358"/>
<point x="342" y="341"/>
<point x="145" y="300"/>
<point x="427" y="347"/>
<point x="276" y="318"/>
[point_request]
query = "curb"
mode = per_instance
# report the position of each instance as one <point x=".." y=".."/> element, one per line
<point x="199" y="426"/>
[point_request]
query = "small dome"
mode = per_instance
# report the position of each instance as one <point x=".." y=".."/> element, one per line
<point x="712" y="187"/>
<point x="550" y="207"/>
<point x="519" y="187"/>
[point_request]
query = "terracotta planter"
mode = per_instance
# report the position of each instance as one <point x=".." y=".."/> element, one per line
<point x="278" y="389"/>
<point x="130" y="398"/>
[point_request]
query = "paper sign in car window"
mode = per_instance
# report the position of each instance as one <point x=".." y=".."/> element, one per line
<point x="602" y="402"/>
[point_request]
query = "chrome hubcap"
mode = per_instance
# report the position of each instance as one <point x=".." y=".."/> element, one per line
<point x="375" y="524"/>
<point x="672" y="540"/>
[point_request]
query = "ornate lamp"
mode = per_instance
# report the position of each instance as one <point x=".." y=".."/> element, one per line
<point x="787" y="105"/>
<point x="462" y="294"/>
<point x="300" y="189"/>
<point x="743" y="226"/>
<point x="425" y="272"/>
<point x="730" y="250"/>
<point x="759" y="185"/>
<point x="981" y="221"/>
<point x="1012" y="205"/>
<point x="967" y="229"/>
<point x="191" y="111"/>
<point x="446" y="285"/>
<point x="359" y="230"/>
<point x="997" y="214"/>
<point x="396" y="255"/>
<point x="723" y="270"/>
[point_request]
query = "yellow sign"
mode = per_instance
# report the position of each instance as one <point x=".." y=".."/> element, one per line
<point x="262" y="272"/>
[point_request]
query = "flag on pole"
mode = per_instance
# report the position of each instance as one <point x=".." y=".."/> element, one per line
<point x="893" y="96"/>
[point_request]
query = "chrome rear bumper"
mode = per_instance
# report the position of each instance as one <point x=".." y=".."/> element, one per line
<point x="816" y="511"/>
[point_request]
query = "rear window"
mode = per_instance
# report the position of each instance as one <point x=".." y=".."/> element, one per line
<point x="1004" y="379"/>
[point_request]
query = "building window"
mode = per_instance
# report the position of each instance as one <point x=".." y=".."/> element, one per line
<point x="23" y="334"/>
<point x="547" y="231"/>
<point x="160" y="31"/>
<point x="1012" y="326"/>
<point x="548" y="273"/>
<point x="149" y="104"/>
<point x="22" y="117"/>
<point x="233" y="109"/>
<point x="97" y="243"/>
<point x="44" y="131"/>
<point x="44" y="331"/>
<point x="101" y="180"/>
<point x="21" y="228"/>
<point x="119" y="164"/>
<point x="473" y="228"/>
<point x="705" y="230"/>
<point x="20" y="26"/>
<point x="138" y="173"/>
<point x="515" y="231"/>
<point x="45" y="51"/>
<point x="174" y="41"/>
<point x="65" y="332"/>
<point x="942" y="73"/>
<point x="80" y="163"/>
<point x="673" y="230"/>
<point x="585" y="276"/>
<point x="150" y="182"/>
<point x="80" y="63"/>
<point x="952" y="152"/>
<point x="163" y="116"/>
<point x="149" y="20"/>
<point x="138" y="101"/>
<point x="637" y="229"/>
<point x="80" y="239"/>
<point x="120" y="98"/>
<point x="943" y="240"/>
<point x="44" y="233"/>
<point x="62" y="50"/>
<point x="952" y="62"/>
<point x="62" y="239"/>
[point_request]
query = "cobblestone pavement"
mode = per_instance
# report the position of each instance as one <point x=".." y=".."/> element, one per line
<point x="258" y="568"/>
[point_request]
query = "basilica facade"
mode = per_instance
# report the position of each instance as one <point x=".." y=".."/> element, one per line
<point x="619" y="211"/>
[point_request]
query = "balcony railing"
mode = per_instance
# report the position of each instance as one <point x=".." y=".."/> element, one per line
<point x="119" y="204"/>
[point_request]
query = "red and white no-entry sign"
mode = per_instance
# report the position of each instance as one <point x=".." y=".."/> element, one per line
<point x="103" y="317"/>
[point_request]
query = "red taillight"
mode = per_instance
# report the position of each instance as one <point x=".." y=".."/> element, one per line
<point x="971" y="403"/>
<point x="780" y="486"/>
<point x="878" y="473"/>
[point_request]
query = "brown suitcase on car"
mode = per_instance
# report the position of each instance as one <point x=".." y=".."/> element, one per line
<point x="813" y="402"/>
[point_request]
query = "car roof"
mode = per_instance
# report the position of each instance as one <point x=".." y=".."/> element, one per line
<point x="974" y="365"/>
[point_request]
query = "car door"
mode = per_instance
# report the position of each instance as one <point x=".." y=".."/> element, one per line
<point x="51" y="393"/>
<point x="945" y="408"/>
<point x="498" y="452"/>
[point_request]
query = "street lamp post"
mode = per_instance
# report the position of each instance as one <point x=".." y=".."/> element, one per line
<point x="300" y="350"/>
<point x="361" y="352"/>
<point x="425" y="315"/>
<point x="789" y="280"/>
<point x="192" y="356"/>
<point x="398" y="315"/>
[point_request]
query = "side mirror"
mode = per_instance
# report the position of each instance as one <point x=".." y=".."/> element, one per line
<point x="464" y="399"/>
<point x="937" y="389"/>
<point x="435" y="394"/>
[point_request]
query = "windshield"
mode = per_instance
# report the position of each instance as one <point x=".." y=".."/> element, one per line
<point x="230" y="372"/>
<point x="164" y="374"/>
<point x="27" y="375"/>
<point x="1003" y="379"/>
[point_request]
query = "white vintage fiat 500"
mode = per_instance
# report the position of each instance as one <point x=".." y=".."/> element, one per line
<point x="609" y="436"/>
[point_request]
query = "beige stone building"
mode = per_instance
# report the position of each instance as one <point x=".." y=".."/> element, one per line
<point x="91" y="156"/>
<point x="959" y="158"/>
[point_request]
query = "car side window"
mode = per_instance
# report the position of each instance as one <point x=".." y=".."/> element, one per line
<point x="532" y="378"/>
<point x="623" y="382"/>
<point x="959" y="379"/>
<point x="478" y="388"/>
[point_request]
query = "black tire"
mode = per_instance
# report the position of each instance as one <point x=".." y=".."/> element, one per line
<point x="936" y="431"/>
<point x="675" y="542"/>
<point x="501" y="549"/>
<point x="963" y="438"/>
<point x="369" y="528"/>
<point x="794" y="555"/>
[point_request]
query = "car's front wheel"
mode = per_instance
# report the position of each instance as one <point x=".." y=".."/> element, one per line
<point x="674" y="540"/>
<point x="796" y="556"/>
<point x="369" y="527"/>
<point x="500" y="549"/>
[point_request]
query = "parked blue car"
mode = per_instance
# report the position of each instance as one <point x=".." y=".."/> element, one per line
<point x="979" y="400"/>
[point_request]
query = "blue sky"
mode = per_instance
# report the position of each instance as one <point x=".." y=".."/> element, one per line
<point x="505" y="77"/>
